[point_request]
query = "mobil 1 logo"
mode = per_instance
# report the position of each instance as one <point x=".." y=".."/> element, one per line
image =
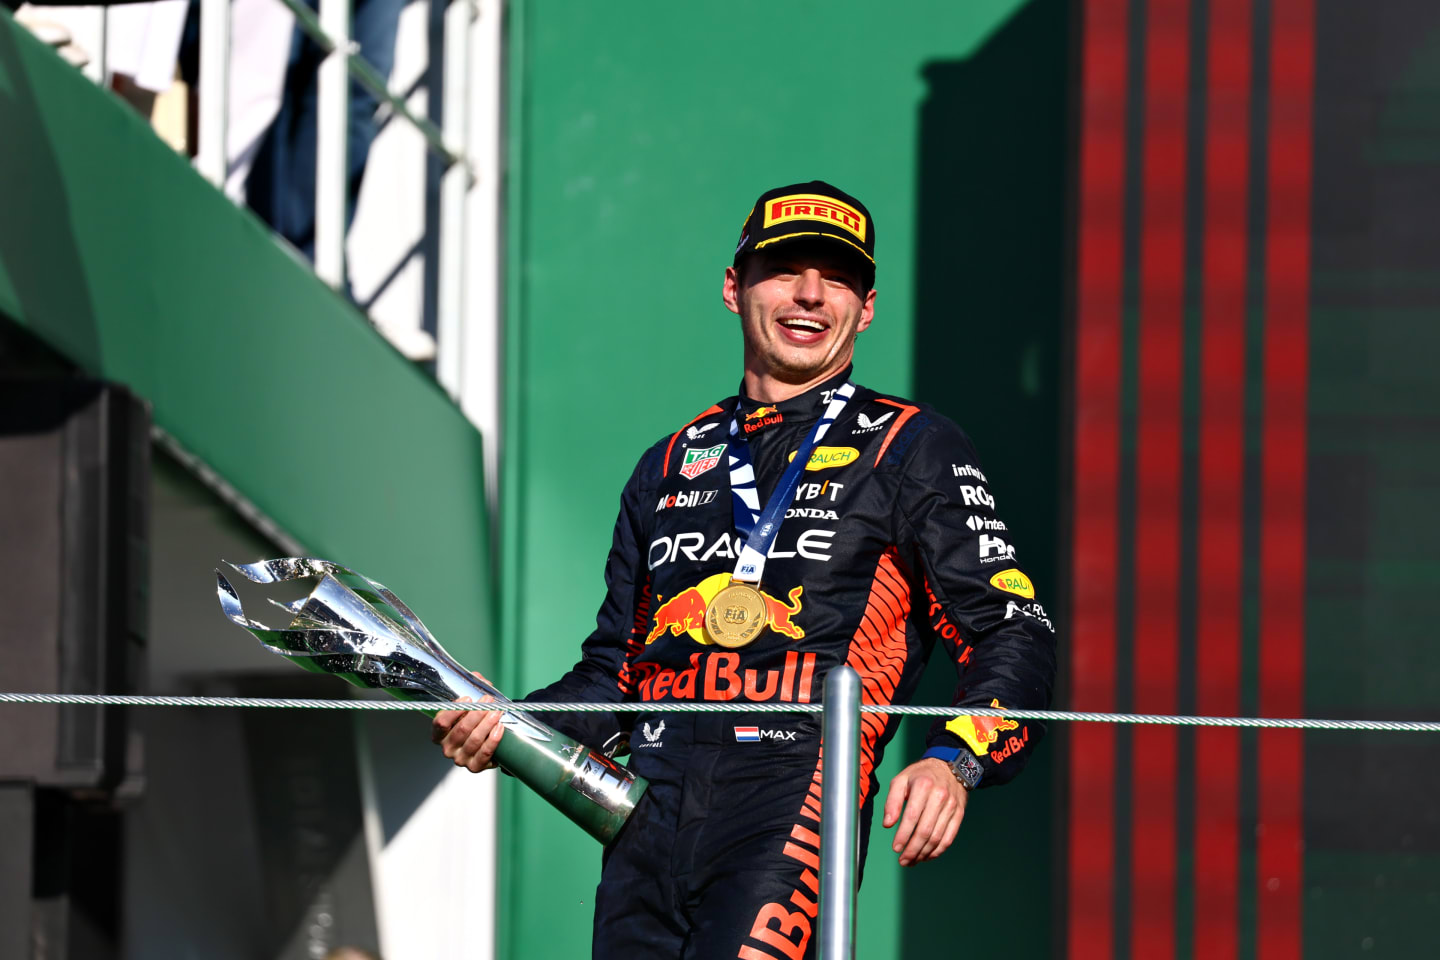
<point x="686" y="498"/>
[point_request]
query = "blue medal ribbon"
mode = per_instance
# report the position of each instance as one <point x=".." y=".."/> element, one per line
<point x="761" y="527"/>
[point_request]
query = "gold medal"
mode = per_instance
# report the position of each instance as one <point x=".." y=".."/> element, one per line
<point x="736" y="615"/>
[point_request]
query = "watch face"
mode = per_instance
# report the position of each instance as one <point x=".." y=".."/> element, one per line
<point x="967" y="769"/>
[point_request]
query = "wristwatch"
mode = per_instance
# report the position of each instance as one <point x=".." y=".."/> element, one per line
<point x="962" y="764"/>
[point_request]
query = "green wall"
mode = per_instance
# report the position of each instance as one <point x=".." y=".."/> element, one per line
<point x="118" y="255"/>
<point x="640" y="135"/>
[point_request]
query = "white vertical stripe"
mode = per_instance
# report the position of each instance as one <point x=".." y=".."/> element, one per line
<point x="210" y="157"/>
<point x="331" y="144"/>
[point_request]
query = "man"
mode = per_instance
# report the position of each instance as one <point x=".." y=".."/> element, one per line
<point x="805" y="524"/>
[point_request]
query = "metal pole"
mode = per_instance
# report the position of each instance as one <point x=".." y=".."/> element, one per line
<point x="331" y="142"/>
<point x="839" y="815"/>
<point x="482" y="368"/>
<point x="454" y="185"/>
<point x="210" y="157"/>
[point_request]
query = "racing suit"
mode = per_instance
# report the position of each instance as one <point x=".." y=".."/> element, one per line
<point x="892" y="542"/>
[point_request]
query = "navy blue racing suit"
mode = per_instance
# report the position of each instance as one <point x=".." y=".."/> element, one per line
<point x="892" y="543"/>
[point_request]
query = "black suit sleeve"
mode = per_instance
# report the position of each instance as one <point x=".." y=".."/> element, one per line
<point x="982" y="605"/>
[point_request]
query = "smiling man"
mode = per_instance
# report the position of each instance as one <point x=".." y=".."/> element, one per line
<point x="805" y="523"/>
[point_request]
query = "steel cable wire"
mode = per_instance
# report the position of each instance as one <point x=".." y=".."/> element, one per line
<point x="137" y="700"/>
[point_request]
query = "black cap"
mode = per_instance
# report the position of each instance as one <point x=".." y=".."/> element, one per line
<point x="810" y="211"/>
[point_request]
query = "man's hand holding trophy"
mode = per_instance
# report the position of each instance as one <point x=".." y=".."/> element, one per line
<point x="355" y="628"/>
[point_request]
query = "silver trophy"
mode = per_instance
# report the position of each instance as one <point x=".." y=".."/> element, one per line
<point x="353" y="627"/>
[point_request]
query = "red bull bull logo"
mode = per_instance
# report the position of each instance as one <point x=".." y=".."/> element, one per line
<point x="685" y="612"/>
<point x="761" y="418"/>
<point x="782" y="615"/>
<point x="980" y="732"/>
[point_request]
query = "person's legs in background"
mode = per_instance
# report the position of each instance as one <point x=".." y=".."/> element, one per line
<point x="281" y="186"/>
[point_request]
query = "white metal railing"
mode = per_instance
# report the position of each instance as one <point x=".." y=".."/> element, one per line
<point x="342" y="61"/>
<point x="210" y="154"/>
<point x="332" y="122"/>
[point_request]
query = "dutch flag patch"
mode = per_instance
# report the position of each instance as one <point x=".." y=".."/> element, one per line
<point x="747" y="734"/>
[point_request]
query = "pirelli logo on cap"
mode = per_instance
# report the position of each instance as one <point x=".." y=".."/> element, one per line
<point x="808" y="206"/>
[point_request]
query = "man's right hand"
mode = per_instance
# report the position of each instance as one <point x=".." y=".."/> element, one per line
<point x="469" y="737"/>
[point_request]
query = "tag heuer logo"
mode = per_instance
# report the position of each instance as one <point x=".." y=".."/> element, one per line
<point x="698" y="461"/>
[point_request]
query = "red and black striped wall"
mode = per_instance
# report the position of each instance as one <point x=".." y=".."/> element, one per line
<point x="1190" y="432"/>
<point x="1256" y="455"/>
<point x="1240" y="450"/>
